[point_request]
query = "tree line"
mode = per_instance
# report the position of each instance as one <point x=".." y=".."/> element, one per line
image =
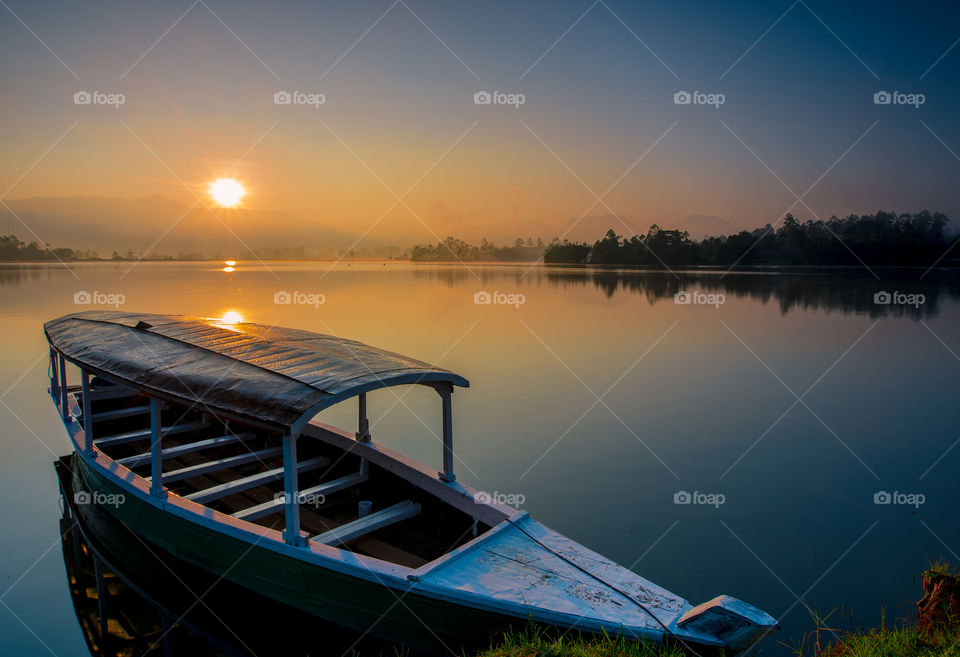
<point x="884" y="238"/>
<point x="12" y="248"/>
<point x="454" y="249"/>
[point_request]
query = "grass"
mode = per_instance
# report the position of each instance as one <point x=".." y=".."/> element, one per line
<point x="532" y="642"/>
<point x="901" y="642"/>
<point x="941" y="567"/>
<point x="937" y="639"/>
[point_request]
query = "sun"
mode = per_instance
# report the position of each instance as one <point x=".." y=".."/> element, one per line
<point x="227" y="191"/>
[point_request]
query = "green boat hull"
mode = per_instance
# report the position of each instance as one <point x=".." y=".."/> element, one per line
<point x="401" y="617"/>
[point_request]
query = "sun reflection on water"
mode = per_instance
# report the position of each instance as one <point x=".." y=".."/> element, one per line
<point x="229" y="318"/>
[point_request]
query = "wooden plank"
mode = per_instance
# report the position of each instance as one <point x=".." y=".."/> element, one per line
<point x="254" y="480"/>
<point x="175" y="452"/>
<point x="328" y="488"/>
<point x="314" y="523"/>
<point x="120" y="413"/>
<point x="144" y="434"/>
<point x="207" y="467"/>
<point x="368" y="524"/>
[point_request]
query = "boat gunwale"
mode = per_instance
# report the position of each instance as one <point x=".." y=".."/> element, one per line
<point x="363" y="567"/>
<point x="402" y="586"/>
<point x="393" y="576"/>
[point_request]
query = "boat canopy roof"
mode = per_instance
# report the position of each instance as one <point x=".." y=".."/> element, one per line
<point x="272" y="376"/>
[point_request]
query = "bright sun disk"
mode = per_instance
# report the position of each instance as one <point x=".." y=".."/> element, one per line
<point x="227" y="191"/>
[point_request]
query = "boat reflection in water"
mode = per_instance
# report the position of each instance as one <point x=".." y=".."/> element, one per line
<point x="358" y="535"/>
<point x="133" y="600"/>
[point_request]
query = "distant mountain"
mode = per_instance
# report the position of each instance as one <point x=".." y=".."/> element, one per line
<point x="505" y="233"/>
<point x="163" y="225"/>
<point x="706" y="225"/>
<point x="590" y="229"/>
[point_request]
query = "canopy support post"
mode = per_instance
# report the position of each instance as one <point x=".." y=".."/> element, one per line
<point x="54" y="385"/>
<point x="156" y="446"/>
<point x="291" y="532"/>
<point x="64" y="409"/>
<point x="363" y="423"/>
<point x="87" y="416"/>
<point x="446" y="395"/>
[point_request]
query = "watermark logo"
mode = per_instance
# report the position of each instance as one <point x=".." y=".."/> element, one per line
<point x="495" y="298"/>
<point x="496" y="497"/>
<point x="884" y="298"/>
<point x="99" y="98"/>
<point x="696" y="497"/>
<point x="896" y="497"/>
<point x="299" y="98"/>
<point x="899" y="98"/>
<point x="95" y="298"/>
<point x="499" y="98"/>
<point x="698" y="98"/>
<point x="315" y="500"/>
<point x="83" y="498"/>
<point x="697" y="298"/>
<point x="284" y="298"/>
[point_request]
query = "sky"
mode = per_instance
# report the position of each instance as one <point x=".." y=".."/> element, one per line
<point x="786" y="107"/>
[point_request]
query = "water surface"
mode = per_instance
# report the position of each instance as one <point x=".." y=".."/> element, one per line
<point x="598" y="401"/>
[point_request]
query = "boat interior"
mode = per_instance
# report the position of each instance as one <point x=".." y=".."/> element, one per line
<point x="345" y="501"/>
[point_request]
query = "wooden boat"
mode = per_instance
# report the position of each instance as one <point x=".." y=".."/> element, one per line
<point x="200" y="437"/>
<point x="133" y="600"/>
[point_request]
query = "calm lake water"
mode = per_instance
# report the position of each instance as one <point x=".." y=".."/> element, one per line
<point x="697" y="401"/>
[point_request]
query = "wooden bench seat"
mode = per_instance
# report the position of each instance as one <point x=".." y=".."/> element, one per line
<point x="244" y="483"/>
<point x="368" y="524"/>
<point x="327" y="488"/>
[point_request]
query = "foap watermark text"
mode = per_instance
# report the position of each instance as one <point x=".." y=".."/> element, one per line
<point x="82" y="498"/>
<point x="315" y="500"/>
<point x="896" y="497"/>
<point x="115" y="100"/>
<point x="699" y="98"/>
<point x="295" y="298"/>
<point x="496" y="497"/>
<point x="698" y="298"/>
<point x="699" y="498"/>
<point x="495" y="298"/>
<point x="499" y="98"/>
<point x="96" y="298"/>
<point x="299" y="98"/>
<point x="899" y="98"/>
<point x="895" y="298"/>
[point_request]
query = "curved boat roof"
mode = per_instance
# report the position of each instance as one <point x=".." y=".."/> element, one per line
<point x="272" y="376"/>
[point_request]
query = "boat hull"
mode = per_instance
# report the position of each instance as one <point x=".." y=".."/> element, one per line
<point x="402" y="617"/>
